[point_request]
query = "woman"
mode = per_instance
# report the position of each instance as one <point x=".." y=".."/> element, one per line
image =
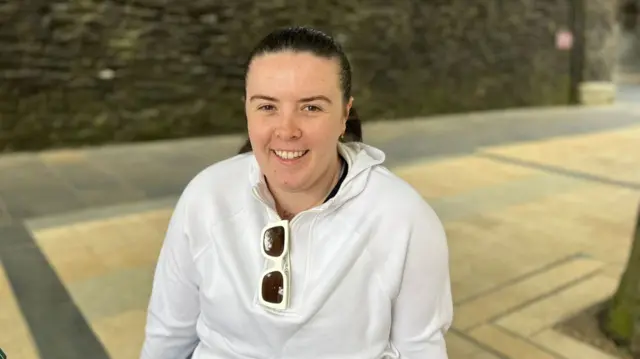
<point x="305" y="246"/>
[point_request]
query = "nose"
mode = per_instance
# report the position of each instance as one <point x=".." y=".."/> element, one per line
<point x="288" y="128"/>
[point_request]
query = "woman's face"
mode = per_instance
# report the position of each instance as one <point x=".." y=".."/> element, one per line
<point x="296" y="114"/>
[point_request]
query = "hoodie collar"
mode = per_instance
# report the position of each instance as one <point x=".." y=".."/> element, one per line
<point x="360" y="158"/>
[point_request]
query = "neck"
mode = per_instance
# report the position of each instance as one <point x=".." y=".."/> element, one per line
<point x="288" y="204"/>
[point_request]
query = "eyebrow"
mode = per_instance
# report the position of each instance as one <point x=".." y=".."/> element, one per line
<point x="316" y="98"/>
<point x="306" y="99"/>
<point x="262" y="97"/>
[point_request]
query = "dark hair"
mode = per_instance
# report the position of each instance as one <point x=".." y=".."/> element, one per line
<point x="305" y="39"/>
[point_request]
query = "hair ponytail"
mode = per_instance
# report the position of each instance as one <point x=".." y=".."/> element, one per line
<point x="353" y="130"/>
<point x="246" y="147"/>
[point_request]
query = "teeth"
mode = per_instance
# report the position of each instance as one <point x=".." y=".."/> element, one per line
<point x="289" y="155"/>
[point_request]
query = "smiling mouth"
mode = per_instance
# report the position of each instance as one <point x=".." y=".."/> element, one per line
<point x="290" y="155"/>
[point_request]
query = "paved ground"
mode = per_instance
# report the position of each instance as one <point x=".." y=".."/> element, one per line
<point x="538" y="206"/>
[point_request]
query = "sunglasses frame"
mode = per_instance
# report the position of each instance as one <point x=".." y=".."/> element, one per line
<point x="281" y="264"/>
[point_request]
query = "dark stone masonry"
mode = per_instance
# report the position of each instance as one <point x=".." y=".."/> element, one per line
<point x="629" y="44"/>
<point x="601" y="36"/>
<point x="88" y="72"/>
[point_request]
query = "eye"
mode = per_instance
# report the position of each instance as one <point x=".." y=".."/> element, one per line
<point x="312" y="108"/>
<point x="267" y="108"/>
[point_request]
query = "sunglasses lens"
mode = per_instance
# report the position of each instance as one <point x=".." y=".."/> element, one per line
<point x="273" y="241"/>
<point x="273" y="287"/>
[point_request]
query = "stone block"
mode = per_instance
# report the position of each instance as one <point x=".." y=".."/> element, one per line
<point x="597" y="93"/>
<point x="544" y="314"/>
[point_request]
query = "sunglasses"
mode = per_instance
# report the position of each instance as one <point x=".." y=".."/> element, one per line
<point x="275" y="283"/>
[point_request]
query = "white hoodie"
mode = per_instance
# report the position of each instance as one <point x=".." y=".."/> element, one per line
<point x="370" y="272"/>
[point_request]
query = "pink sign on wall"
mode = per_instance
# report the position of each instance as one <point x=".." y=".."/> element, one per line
<point x="564" y="40"/>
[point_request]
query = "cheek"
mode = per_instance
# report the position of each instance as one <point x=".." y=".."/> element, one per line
<point x="328" y="129"/>
<point x="258" y="130"/>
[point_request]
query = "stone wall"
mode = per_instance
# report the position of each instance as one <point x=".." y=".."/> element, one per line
<point x="602" y="38"/>
<point x="88" y="72"/>
<point x="629" y="45"/>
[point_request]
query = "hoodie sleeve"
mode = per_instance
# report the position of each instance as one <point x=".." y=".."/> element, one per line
<point x="174" y="306"/>
<point x="423" y="308"/>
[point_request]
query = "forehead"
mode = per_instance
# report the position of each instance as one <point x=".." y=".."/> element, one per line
<point x="293" y="72"/>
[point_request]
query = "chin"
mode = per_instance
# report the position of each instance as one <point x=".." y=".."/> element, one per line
<point x="291" y="183"/>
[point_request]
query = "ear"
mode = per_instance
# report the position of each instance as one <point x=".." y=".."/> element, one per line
<point x="347" y="110"/>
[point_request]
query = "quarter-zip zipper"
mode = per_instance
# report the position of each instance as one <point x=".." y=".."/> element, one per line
<point x="256" y="194"/>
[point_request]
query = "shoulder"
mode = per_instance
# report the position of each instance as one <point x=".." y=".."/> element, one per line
<point x="218" y="191"/>
<point x="397" y="209"/>
<point x="402" y="225"/>
<point x="389" y="207"/>
<point x="397" y="198"/>
<point x="221" y="176"/>
<point x="213" y="195"/>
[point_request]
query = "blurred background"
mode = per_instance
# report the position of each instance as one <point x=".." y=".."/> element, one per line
<point x="518" y="120"/>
